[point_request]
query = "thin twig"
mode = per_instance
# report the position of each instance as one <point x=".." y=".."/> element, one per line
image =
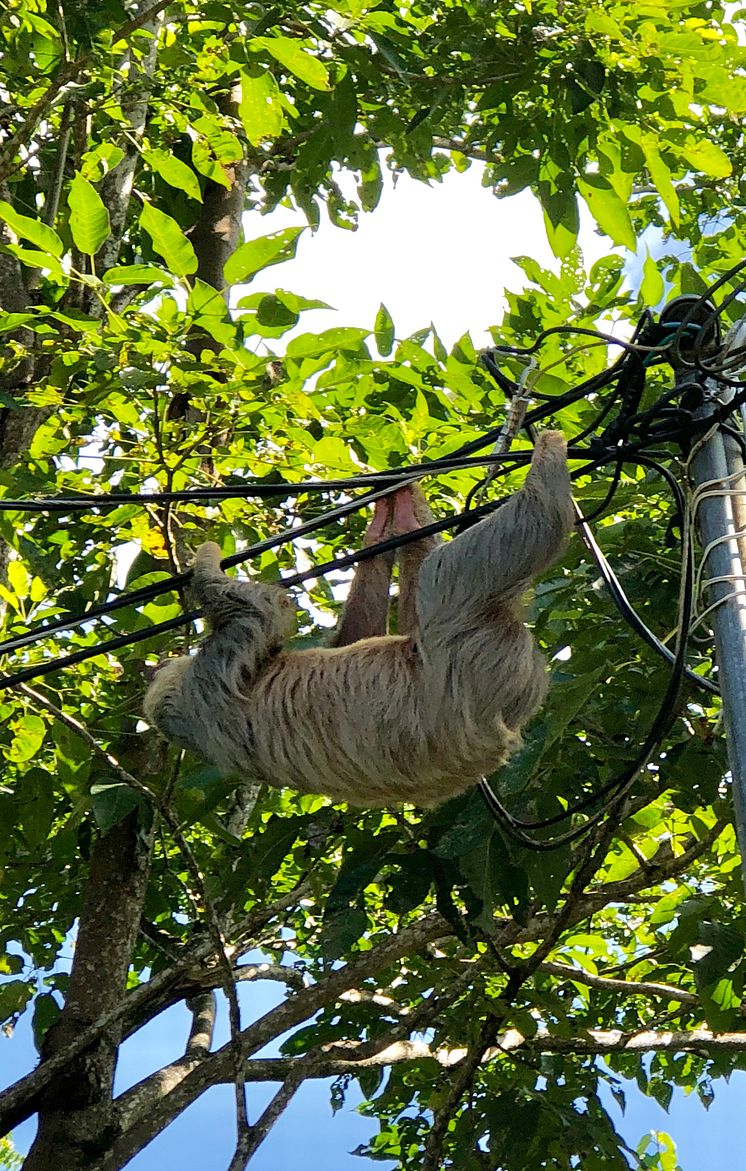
<point x="80" y="730"/>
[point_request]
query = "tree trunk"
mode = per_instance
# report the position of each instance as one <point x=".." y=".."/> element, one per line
<point x="75" y="1117"/>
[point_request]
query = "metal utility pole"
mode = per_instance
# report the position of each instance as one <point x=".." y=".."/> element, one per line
<point x="720" y="475"/>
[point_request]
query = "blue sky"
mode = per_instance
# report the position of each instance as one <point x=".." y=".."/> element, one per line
<point x="436" y="254"/>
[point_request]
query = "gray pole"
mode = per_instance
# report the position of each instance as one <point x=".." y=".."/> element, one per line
<point x="719" y="467"/>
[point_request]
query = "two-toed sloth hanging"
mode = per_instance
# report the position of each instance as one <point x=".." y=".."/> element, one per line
<point x="379" y="718"/>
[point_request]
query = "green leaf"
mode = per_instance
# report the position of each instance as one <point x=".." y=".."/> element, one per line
<point x="36" y="813"/>
<point x="46" y="1012"/>
<point x="275" y="314"/>
<point x="19" y="578"/>
<point x="45" y="238"/>
<point x="341" y="931"/>
<point x="112" y="802"/>
<point x="597" y="21"/>
<point x="722" y="946"/>
<point x="89" y="219"/>
<point x="270" y="848"/>
<point x="343" y="338"/>
<point x="297" y="304"/>
<point x="29" y="733"/>
<point x="255" y="255"/>
<point x="14" y="996"/>
<point x="222" y="142"/>
<point x="37" y="259"/>
<point x="10" y="964"/>
<point x="608" y="210"/>
<point x="707" y="157"/>
<point x="168" y="240"/>
<point x="260" y="108"/>
<point x="410" y="886"/>
<point x="661" y="176"/>
<point x="296" y="59"/>
<point x="174" y="172"/>
<point x="560" y="219"/>
<point x="730" y="94"/>
<point x="136" y="274"/>
<point x="204" y="301"/>
<point x="210" y="313"/>
<point x="652" y="286"/>
<point x="9" y="322"/>
<point x="384" y="331"/>
<point x="332" y="453"/>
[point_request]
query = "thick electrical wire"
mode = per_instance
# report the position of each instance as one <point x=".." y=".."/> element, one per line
<point x="177" y="581"/>
<point x="156" y="589"/>
<point x="85" y="502"/>
<point x="110" y="645"/>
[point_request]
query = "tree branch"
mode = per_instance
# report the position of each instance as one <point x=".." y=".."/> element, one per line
<point x="473" y="1058"/>
<point x="116" y="189"/>
<point x="19" y="1101"/>
<point x="592" y="1042"/>
<point x="74" y="1115"/>
<point x="270" y="1115"/>
<point x="169" y="1092"/>
<point x="203" y="1009"/>
<point x="626" y="987"/>
<point x="601" y="1041"/>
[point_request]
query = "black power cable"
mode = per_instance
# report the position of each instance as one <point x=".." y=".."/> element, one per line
<point x="174" y="582"/>
<point x="86" y="502"/>
<point x="114" y="644"/>
<point x="147" y="593"/>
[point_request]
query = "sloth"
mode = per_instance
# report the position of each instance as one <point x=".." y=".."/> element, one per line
<point x="375" y="718"/>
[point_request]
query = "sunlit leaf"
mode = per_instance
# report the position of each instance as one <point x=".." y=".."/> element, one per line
<point x="174" y="172"/>
<point x="89" y="218"/>
<point x="608" y="210"/>
<point x="168" y="240"/>
<point x="661" y="176"/>
<point x="29" y="733"/>
<point x="44" y="237"/>
<point x="651" y="287"/>
<point x="707" y="157"/>
<point x="260" y="108"/>
<point x="384" y="331"/>
<point x="254" y="255"/>
<point x="296" y="59"/>
<point x="136" y="274"/>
